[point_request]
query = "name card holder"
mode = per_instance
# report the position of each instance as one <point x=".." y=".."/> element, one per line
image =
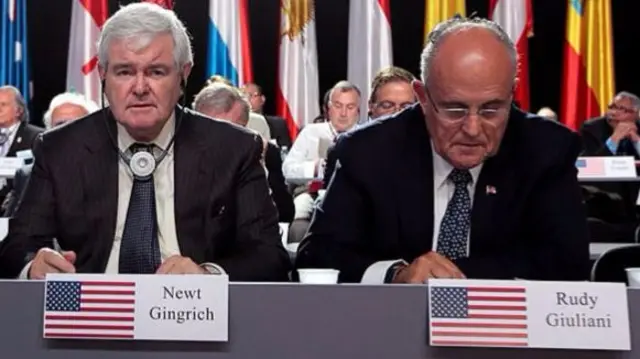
<point x="606" y="167"/>
<point x="528" y="314"/>
<point x="137" y="307"/>
<point x="9" y="166"/>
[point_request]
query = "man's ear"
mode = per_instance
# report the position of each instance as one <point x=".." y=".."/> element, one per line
<point x="421" y="93"/>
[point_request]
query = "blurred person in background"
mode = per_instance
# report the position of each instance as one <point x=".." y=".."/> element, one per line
<point x="63" y="108"/>
<point x="225" y="102"/>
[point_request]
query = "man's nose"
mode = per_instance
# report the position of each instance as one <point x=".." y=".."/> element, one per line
<point x="471" y="125"/>
<point x="141" y="86"/>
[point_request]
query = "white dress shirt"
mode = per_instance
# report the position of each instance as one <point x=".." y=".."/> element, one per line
<point x="258" y="123"/>
<point x="164" y="192"/>
<point x="443" y="190"/>
<point x="301" y="160"/>
<point x="11" y="132"/>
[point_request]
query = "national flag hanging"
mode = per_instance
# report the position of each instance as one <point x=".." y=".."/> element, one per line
<point x="87" y="18"/>
<point x="297" y="95"/>
<point x="588" y="82"/>
<point x="488" y="315"/>
<point x="437" y="11"/>
<point x="516" y="18"/>
<point x="369" y="43"/>
<point x="229" y="52"/>
<point x="14" y="59"/>
<point x="89" y="309"/>
<point x="167" y="4"/>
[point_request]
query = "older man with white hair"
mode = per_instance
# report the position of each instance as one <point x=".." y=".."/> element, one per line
<point x="63" y="108"/>
<point x="66" y="107"/>
<point x="146" y="186"/>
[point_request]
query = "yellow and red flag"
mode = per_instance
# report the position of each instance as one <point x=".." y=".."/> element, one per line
<point x="588" y="81"/>
<point x="437" y="11"/>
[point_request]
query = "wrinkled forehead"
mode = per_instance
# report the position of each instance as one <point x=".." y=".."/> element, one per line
<point x="142" y="51"/>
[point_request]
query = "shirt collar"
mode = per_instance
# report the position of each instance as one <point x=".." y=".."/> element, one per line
<point x="11" y="129"/>
<point x="442" y="169"/>
<point x="162" y="141"/>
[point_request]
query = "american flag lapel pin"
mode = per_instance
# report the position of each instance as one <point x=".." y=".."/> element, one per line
<point x="491" y="190"/>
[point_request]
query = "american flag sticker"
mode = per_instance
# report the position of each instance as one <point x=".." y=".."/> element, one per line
<point x="89" y="309"/>
<point x="478" y="315"/>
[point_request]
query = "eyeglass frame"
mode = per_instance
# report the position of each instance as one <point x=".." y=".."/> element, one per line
<point x="466" y="112"/>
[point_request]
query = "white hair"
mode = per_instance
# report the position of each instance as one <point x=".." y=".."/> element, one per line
<point x="70" y="98"/>
<point x="141" y="23"/>
<point x="221" y="97"/>
<point x="458" y="23"/>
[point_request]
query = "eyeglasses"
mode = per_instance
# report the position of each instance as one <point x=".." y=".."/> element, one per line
<point x="454" y="114"/>
<point x="392" y="106"/>
<point x="339" y="106"/>
<point x="616" y="107"/>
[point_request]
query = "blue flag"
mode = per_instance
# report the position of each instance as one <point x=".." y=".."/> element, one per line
<point x="14" y="62"/>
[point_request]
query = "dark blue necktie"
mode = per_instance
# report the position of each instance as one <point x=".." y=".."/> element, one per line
<point x="454" y="229"/>
<point x="139" y="248"/>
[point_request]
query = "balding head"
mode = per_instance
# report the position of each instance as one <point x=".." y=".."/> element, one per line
<point x="469" y="70"/>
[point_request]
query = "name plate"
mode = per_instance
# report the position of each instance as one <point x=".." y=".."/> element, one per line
<point x="137" y="307"/>
<point x="9" y="166"/>
<point x="611" y="167"/>
<point x="528" y="314"/>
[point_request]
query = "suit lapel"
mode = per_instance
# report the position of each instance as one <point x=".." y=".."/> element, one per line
<point x="189" y="174"/>
<point x="100" y="181"/>
<point x="493" y="192"/>
<point x="19" y="142"/>
<point x="415" y="188"/>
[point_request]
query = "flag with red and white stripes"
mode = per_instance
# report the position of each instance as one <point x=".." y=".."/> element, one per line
<point x="87" y="18"/>
<point x="89" y="309"/>
<point x="370" y="46"/>
<point x="473" y="315"/>
<point x="298" y="91"/>
<point x="516" y="18"/>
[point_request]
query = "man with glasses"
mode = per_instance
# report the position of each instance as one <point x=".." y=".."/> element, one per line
<point x="391" y="92"/>
<point x="463" y="185"/>
<point x="612" y="205"/>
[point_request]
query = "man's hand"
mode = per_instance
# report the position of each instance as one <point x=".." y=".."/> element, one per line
<point x="49" y="261"/>
<point x="180" y="265"/>
<point x="623" y="130"/>
<point x="430" y="265"/>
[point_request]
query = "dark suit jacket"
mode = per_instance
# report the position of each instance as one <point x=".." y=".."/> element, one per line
<point x="223" y="211"/>
<point x="12" y="201"/>
<point x="279" y="190"/>
<point x="279" y="130"/>
<point x="620" y="207"/>
<point x="23" y="140"/>
<point x="534" y="227"/>
<point x="25" y="136"/>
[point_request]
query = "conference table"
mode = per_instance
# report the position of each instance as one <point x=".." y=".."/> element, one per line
<point x="282" y="321"/>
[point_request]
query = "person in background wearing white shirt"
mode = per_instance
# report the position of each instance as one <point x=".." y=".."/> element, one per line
<point x="304" y="164"/>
